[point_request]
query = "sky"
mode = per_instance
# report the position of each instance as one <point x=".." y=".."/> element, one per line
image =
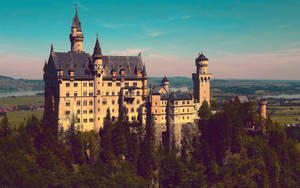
<point x="243" y="39"/>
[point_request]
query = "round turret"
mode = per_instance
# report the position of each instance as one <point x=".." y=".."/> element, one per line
<point x="201" y="63"/>
<point x="165" y="83"/>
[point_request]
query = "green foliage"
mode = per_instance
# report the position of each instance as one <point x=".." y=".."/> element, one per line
<point x="219" y="154"/>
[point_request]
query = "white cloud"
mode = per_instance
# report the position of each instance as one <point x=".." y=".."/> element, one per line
<point x="155" y="33"/>
<point x="83" y="7"/>
<point x="185" y="17"/>
<point x="130" y="51"/>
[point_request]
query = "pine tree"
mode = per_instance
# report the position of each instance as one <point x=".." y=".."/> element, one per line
<point x="106" y="150"/>
<point x="5" y="129"/>
<point x="147" y="160"/>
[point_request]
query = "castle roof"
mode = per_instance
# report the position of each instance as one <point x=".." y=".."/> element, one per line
<point x="76" y="23"/>
<point x="201" y="57"/>
<point x="81" y="64"/>
<point x="175" y="96"/>
<point x="165" y="79"/>
<point x="97" y="49"/>
<point x="239" y="99"/>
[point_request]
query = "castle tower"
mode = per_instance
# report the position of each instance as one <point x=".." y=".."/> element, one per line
<point x="262" y="109"/>
<point x="98" y="79"/>
<point x="165" y="83"/>
<point x="201" y="81"/>
<point x="76" y="36"/>
<point x="144" y="79"/>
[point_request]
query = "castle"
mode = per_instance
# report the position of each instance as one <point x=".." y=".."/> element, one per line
<point x="84" y="86"/>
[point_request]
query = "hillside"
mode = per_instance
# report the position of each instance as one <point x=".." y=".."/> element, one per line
<point x="8" y="84"/>
<point x="219" y="87"/>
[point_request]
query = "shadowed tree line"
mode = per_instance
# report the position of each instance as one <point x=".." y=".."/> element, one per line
<point x="123" y="154"/>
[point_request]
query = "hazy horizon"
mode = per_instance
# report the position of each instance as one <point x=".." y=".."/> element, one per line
<point x="242" y="39"/>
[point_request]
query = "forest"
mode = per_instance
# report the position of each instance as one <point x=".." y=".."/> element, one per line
<point x="122" y="154"/>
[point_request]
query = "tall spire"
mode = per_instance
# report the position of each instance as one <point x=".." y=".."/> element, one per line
<point x="97" y="50"/>
<point x="144" y="71"/>
<point x="76" y="36"/>
<point x="51" y="48"/>
<point x="76" y="23"/>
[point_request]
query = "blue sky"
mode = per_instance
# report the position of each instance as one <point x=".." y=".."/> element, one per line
<point x="242" y="39"/>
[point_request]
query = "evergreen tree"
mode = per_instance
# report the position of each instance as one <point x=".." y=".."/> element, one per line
<point x="147" y="160"/>
<point x="5" y="128"/>
<point x="106" y="134"/>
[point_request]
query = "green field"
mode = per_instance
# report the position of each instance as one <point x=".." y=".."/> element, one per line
<point x="17" y="117"/>
<point x="22" y="100"/>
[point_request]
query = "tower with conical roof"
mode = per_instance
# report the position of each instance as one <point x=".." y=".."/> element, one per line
<point x="165" y="83"/>
<point x="201" y="81"/>
<point x="76" y="36"/>
<point x="98" y="81"/>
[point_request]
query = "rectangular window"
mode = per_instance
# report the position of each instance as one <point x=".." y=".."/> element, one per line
<point x="78" y="103"/>
<point x="67" y="94"/>
<point x="176" y="103"/>
<point x="91" y="84"/>
<point x="113" y="93"/>
<point x="84" y="111"/>
<point x="67" y="103"/>
<point x="67" y="84"/>
<point x="118" y="84"/>
<point x="84" y="103"/>
<point x="90" y="94"/>
<point x="107" y="93"/>
<point x="98" y="92"/>
<point x="137" y="102"/>
<point x="91" y="103"/>
<point x="109" y="84"/>
<point x="91" y="111"/>
<point x="132" y="110"/>
<point x="78" y="111"/>
<point x="183" y="102"/>
<point x="84" y="94"/>
<point x="126" y="83"/>
<point x="91" y="120"/>
<point x="75" y="84"/>
<point x="68" y="112"/>
<point x="188" y="102"/>
<point x="134" y="84"/>
<point x="104" y="102"/>
<point x="75" y="94"/>
<point x="84" y="84"/>
<point x="85" y="120"/>
<point x="113" y="102"/>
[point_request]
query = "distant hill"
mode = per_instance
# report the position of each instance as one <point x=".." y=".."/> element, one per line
<point x="8" y="84"/>
<point x="219" y="87"/>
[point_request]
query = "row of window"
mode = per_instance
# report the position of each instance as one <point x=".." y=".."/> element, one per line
<point x="163" y="117"/>
<point x="91" y="111"/>
<point x="90" y="94"/>
<point x="84" y="102"/>
<point x="91" y="84"/>
<point x="178" y="110"/>
<point x="85" y="94"/>
<point x="182" y="102"/>
<point x="176" y="103"/>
